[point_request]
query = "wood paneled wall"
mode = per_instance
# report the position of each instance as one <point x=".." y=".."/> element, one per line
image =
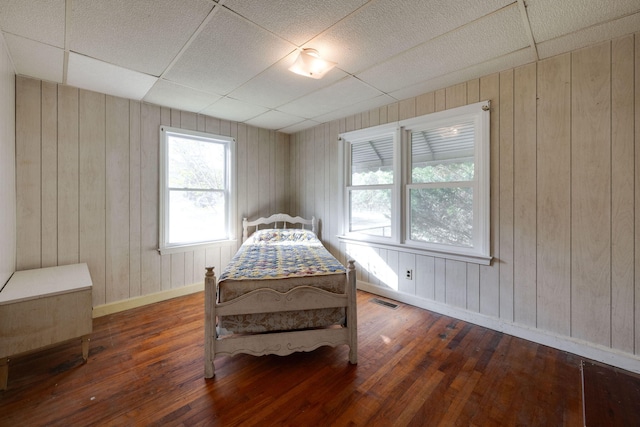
<point x="87" y="185"/>
<point x="7" y="167"/>
<point x="565" y="174"/>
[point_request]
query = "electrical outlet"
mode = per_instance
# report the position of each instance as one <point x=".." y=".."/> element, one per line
<point x="409" y="275"/>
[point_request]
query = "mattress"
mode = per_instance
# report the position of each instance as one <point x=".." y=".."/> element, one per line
<point x="281" y="260"/>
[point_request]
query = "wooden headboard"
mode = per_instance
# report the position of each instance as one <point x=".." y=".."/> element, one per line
<point x="279" y="220"/>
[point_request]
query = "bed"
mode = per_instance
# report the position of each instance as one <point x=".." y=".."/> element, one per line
<point x="281" y="293"/>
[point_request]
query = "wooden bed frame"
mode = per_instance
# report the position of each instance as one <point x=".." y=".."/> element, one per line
<point x="267" y="300"/>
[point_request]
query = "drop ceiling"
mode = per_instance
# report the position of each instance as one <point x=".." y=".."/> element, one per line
<point x="230" y="58"/>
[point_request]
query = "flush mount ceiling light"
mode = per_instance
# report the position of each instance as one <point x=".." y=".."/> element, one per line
<point x="311" y="65"/>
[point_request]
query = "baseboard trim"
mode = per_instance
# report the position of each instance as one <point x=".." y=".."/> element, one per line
<point x="117" y="306"/>
<point x="581" y="348"/>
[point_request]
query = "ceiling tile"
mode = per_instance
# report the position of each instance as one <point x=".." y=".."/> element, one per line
<point x="300" y="126"/>
<point x="91" y="74"/>
<point x="35" y="59"/>
<point x="589" y="36"/>
<point x="359" y="107"/>
<point x="232" y="109"/>
<point x="142" y="35"/>
<point x="552" y="18"/>
<point x="274" y="120"/>
<point x="228" y="52"/>
<point x="510" y="60"/>
<point x="175" y="96"/>
<point x="277" y="85"/>
<point x="43" y="21"/>
<point x="346" y="92"/>
<point x="385" y="28"/>
<point x="303" y="19"/>
<point x="230" y="58"/>
<point x="492" y="36"/>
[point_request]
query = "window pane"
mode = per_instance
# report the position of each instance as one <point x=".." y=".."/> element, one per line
<point x="372" y="161"/>
<point x="196" y="164"/>
<point x="443" y="154"/>
<point x="370" y="212"/>
<point x="442" y="215"/>
<point x="452" y="171"/>
<point x="196" y="216"/>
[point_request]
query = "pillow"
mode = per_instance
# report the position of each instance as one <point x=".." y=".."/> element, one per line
<point x="283" y="235"/>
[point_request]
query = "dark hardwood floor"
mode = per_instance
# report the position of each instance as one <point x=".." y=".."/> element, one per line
<point x="415" y="368"/>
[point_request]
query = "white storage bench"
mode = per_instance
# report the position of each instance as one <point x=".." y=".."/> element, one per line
<point x="43" y="307"/>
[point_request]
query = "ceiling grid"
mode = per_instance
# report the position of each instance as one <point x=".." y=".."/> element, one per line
<point x="230" y="58"/>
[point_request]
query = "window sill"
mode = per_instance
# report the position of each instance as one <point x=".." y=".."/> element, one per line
<point x="167" y="250"/>
<point x="456" y="256"/>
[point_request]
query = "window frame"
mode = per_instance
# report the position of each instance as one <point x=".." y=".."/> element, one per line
<point x="164" y="247"/>
<point x="357" y="137"/>
<point x="479" y="253"/>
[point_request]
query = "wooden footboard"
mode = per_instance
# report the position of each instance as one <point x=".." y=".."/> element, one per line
<point x="270" y="301"/>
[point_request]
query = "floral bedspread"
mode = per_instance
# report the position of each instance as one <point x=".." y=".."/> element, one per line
<point x="276" y="254"/>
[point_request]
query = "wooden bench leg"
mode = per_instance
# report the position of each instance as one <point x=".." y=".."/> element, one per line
<point x="85" y="348"/>
<point x="4" y="372"/>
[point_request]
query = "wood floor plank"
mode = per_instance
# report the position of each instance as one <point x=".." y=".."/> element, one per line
<point x="415" y="368"/>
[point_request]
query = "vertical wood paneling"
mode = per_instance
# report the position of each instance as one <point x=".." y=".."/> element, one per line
<point x="456" y="283"/>
<point x="407" y="261"/>
<point x="281" y="166"/>
<point x="440" y="276"/>
<point x="473" y="91"/>
<point x="425" y="104"/>
<point x="393" y="113"/>
<point x="554" y="195"/>
<point x="273" y="197"/>
<point x="92" y="225"/>
<point x="563" y="184"/>
<point x="473" y="287"/>
<point x="134" y="198"/>
<point x="591" y="194"/>
<point x="49" y="174"/>
<point x="374" y="117"/>
<point x="97" y="202"/>
<point x="440" y="100"/>
<point x="489" y="275"/>
<point x="407" y="109"/>
<point x="383" y="114"/>
<point x="243" y="172"/>
<point x="528" y="282"/>
<point x="357" y="121"/>
<point x="505" y="159"/>
<point x="366" y="119"/>
<point x="264" y="196"/>
<point x="318" y="188"/>
<point x="327" y="197"/>
<point x="117" y="199"/>
<point x="28" y="179"/>
<point x="188" y="120"/>
<point x="425" y="277"/>
<point x="524" y="183"/>
<point x="335" y="202"/>
<point x="622" y="194"/>
<point x="150" y="265"/>
<point x="253" y="165"/>
<point x="637" y="194"/>
<point x="392" y="262"/>
<point x="456" y="96"/>
<point x="68" y="176"/>
<point x="7" y="166"/>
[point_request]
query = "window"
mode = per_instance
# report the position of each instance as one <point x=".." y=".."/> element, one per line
<point x="421" y="183"/>
<point x="371" y="190"/>
<point x="196" y="188"/>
